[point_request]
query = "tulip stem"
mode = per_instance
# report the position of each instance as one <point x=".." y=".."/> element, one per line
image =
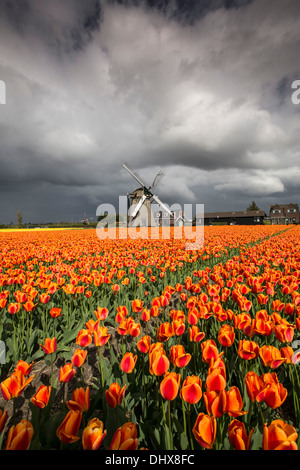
<point x="170" y="425"/>
<point x="184" y="418"/>
<point x="101" y="368"/>
<point x="261" y="414"/>
<point x="190" y="429"/>
<point x="51" y="357"/>
<point x="14" y="411"/>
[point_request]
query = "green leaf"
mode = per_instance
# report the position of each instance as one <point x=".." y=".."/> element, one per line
<point x="1" y="438"/>
<point x="256" y="441"/>
<point x="48" y="430"/>
<point x="37" y="355"/>
<point x="70" y="335"/>
<point x="183" y="439"/>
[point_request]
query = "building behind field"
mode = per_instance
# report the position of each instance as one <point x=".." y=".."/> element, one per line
<point x="231" y="218"/>
<point x="284" y="214"/>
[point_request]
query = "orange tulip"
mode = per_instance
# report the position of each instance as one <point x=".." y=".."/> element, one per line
<point x="78" y="357"/>
<point x="193" y="316"/>
<point x="24" y="367"/>
<point x="273" y="394"/>
<point x="134" y="329"/>
<point x="41" y="397"/>
<point x="226" y="336"/>
<point x="29" y="305"/>
<point x="195" y="335"/>
<point x="215" y="380"/>
<point x="101" y="336"/>
<point x="137" y="305"/>
<point x="143" y="344"/>
<point x="248" y="349"/>
<point x="277" y="305"/>
<point x="84" y="338"/>
<point x="66" y="373"/>
<point x="49" y="346"/>
<point x="254" y="385"/>
<point x="80" y="400"/>
<point x="164" y="332"/>
<point x="3" y="303"/>
<point x="178" y="327"/>
<point x="178" y="356"/>
<point x="284" y="333"/>
<point x="169" y="386"/>
<point x="93" y="435"/>
<point x="271" y="356"/>
<point x="204" y="430"/>
<point x="215" y="402"/>
<point x="191" y="391"/>
<point x="279" y="436"/>
<point x="125" y="438"/>
<point x="234" y="402"/>
<point x="158" y="362"/>
<point x="13" y="308"/>
<point x="241" y="320"/>
<point x="263" y="327"/>
<point x="55" y="312"/>
<point x="238" y="435"/>
<point x="3" y="418"/>
<point x="209" y="350"/>
<point x="101" y="313"/>
<point x="44" y="298"/>
<point x="145" y="315"/>
<point x="14" y="385"/>
<point x="68" y="430"/>
<point x="114" y="395"/>
<point x="128" y="362"/>
<point x="19" y="436"/>
<point x="124" y="326"/>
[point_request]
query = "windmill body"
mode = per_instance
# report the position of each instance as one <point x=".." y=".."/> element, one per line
<point x="139" y="202"/>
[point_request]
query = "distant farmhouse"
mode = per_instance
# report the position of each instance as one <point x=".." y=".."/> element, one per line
<point x="231" y="218"/>
<point x="162" y="218"/>
<point x="284" y="214"/>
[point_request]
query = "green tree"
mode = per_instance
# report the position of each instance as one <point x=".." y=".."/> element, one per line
<point x="253" y="207"/>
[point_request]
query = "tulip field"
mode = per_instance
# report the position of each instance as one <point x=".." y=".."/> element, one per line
<point x="140" y="344"/>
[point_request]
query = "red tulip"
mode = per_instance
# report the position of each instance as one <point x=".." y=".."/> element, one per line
<point x="128" y="362"/>
<point x="191" y="391"/>
<point x="169" y="386"/>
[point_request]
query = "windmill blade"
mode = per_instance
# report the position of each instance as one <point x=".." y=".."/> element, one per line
<point x="162" y="204"/>
<point x="134" y="174"/>
<point x="138" y="206"/>
<point x="156" y="180"/>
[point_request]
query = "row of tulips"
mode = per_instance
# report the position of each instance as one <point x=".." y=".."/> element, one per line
<point x="158" y="345"/>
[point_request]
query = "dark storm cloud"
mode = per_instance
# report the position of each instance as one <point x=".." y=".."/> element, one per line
<point x="201" y="89"/>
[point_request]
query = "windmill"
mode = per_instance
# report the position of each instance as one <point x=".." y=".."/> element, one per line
<point x="86" y="219"/>
<point x="141" y="200"/>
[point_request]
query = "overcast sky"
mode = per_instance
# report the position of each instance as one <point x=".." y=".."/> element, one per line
<point x="198" y="88"/>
